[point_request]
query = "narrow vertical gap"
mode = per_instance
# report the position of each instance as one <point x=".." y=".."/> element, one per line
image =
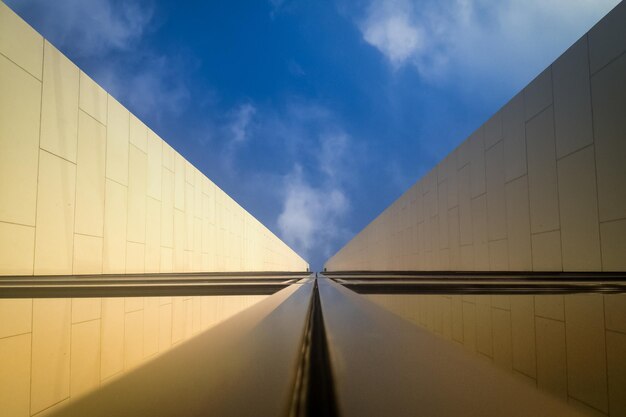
<point x="321" y="390"/>
<point x="314" y="392"/>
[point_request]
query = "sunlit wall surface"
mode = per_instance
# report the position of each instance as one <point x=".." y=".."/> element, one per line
<point x="54" y="349"/>
<point x="540" y="186"/>
<point x="87" y="188"/>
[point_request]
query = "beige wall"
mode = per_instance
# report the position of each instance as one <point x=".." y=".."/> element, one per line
<point x="87" y="188"/>
<point x="52" y="350"/>
<point x="540" y="186"/>
<point x="571" y="346"/>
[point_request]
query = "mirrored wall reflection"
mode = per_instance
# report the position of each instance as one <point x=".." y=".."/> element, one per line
<point x="573" y="346"/>
<point x="54" y="349"/>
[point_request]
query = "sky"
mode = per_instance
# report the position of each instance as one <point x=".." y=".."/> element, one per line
<point x="313" y="115"/>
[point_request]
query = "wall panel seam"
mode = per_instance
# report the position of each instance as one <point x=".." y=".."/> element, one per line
<point x="15" y="335"/>
<point x="22" y="68"/>
<point x="21" y="224"/>
<point x="78" y="110"/>
<point x="575" y="151"/>
<point x="127" y="209"/>
<point x="606" y="358"/>
<point x="616" y="58"/>
<point x="595" y="154"/>
<point x="104" y="192"/>
<point x="57" y="156"/>
<point x="558" y="197"/>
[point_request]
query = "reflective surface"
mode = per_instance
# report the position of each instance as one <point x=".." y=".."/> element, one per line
<point x="572" y="346"/>
<point x="489" y="348"/>
<point x="54" y="349"/>
<point x="385" y="365"/>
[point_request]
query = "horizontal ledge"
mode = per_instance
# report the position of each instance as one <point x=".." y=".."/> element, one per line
<point x="145" y="285"/>
<point x="481" y="284"/>
<point x="164" y="275"/>
<point x="472" y="275"/>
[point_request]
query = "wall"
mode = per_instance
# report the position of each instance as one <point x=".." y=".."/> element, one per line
<point x="571" y="346"/>
<point x="87" y="188"/>
<point x="54" y="350"/>
<point x="540" y="186"/>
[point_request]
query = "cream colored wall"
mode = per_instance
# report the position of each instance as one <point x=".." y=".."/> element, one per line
<point x="54" y="350"/>
<point x="571" y="346"/>
<point x="540" y="186"/>
<point x="87" y="188"/>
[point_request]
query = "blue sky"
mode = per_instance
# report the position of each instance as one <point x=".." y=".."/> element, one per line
<point x="313" y="115"/>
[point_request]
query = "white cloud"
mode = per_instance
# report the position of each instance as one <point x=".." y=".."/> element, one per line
<point x="389" y="29"/>
<point x="510" y="40"/>
<point x="333" y="154"/>
<point x="314" y="200"/>
<point x="241" y="120"/>
<point x="235" y="132"/>
<point x="88" y="27"/>
<point x="107" y="39"/>
<point x="310" y="215"/>
<point x="154" y="87"/>
<point x="305" y="186"/>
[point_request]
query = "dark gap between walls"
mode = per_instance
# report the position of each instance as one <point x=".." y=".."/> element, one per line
<point x="314" y="394"/>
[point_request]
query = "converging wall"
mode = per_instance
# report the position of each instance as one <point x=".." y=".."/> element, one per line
<point x="541" y="186"/>
<point x="87" y="188"/>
